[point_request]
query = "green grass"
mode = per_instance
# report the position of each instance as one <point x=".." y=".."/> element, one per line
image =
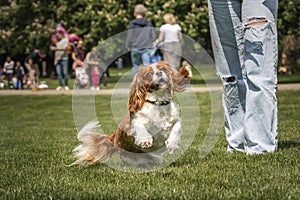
<point x="38" y="134"/>
<point x="294" y="78"/>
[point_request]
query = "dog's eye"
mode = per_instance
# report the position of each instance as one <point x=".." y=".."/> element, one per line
<point x="149" y="76"/>
<point x="163" y="69"/>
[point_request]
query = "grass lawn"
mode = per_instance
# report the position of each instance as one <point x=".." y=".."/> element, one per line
<point x="38" y="134"/>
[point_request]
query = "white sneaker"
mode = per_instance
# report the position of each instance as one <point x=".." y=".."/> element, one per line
<point x="92" y="88"/>
<point x="67" y="88"/>
<point x="59" y="88"/>
<point x="97" y="88"/>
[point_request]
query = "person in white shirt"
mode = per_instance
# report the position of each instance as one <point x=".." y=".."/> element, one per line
<point x="170" y="34"/>
<point x="8" y="69"/>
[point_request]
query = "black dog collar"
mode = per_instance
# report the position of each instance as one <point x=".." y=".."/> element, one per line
<point x="161" y="103"/>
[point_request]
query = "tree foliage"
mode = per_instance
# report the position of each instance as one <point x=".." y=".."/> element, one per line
<point x="26" y="25"/>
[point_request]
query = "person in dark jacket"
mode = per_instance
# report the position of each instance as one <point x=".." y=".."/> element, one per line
<point x="19" y="69"/>
<point x="140" y="39"/>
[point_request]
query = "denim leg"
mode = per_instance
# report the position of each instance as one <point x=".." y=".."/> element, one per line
<point x="59" y="73"/>
<point x="9" y="79"/>
<point x="138" y="58"/>
<point x="245" y="31"/>
<point x="65" y="71"/>
<point x="261" y="67"/>
<point x="227" y="41"/>
<point x="18" y="85"/>
<point x="146" y="57"/>
<point x="136" y="61"/>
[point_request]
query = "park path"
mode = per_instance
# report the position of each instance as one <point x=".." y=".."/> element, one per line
<point x="281" y="87"/>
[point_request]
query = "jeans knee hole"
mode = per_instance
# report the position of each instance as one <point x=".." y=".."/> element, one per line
<point x="256" y="22"/>
<point x="230" y="79"/>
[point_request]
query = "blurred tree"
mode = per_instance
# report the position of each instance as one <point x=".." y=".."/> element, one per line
<point x="26" y="24"/>
<point x="289" y="34"/>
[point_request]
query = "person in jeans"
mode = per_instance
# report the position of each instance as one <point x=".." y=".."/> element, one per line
<point x="139" y="40"/>
<point x="170" y="33"/>
<point x="61" y="60"/>
<point x="19" y="69"/>
<point x="244" y="40"/>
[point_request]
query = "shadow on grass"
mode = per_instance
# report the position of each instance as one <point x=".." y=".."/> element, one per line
<point x="288" y="144"/>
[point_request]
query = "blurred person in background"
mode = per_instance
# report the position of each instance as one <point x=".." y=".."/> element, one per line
<point x="8" y="69"/>
<point x="119" y="63"/>
<point x="93" y="60"/>
<point x="61" y="60"/>
<point x="78" y="55"/>
<point x="170" y="34"/>
<point x="20" y="72"/>
<point x="2" y="84"/>
<point x="140" y="37"/>
<point x="32" y="65"/>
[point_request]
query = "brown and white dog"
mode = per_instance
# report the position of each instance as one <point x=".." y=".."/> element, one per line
<point x="153" y="121"/>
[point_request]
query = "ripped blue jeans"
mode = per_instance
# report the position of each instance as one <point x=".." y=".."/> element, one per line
<point x="244" y="40"/>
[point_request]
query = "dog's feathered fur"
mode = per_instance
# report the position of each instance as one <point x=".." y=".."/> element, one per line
<point x="97" y="148"/>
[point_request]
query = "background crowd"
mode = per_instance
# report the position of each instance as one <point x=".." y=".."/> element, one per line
<point x="18" y="74"/>
<point x="89" y="70"/>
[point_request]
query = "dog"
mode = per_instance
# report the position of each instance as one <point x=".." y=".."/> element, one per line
<point x="153" y="121"/>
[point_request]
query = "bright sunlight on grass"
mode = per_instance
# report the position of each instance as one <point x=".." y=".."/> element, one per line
<point x="38" y="134"/>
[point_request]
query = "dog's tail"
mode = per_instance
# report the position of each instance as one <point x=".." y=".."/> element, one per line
<point x="95" y="147"/>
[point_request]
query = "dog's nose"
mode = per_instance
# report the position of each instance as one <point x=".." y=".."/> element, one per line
<point x="159" y="74"/>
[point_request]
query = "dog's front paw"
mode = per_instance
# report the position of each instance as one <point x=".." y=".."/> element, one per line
<point x="144" y="142"/>
<point x="172" y="145"/>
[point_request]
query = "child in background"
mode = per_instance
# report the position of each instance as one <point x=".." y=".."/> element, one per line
<point x="19" y="69"/>
<point x="95" y="78"/>
<point x="119" y="64"/>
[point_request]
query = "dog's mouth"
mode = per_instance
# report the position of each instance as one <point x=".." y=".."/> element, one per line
<point x="161" y="83"/>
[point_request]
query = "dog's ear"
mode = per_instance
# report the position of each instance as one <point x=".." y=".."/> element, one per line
<point x="137" y="99"/>
<point x="137" y="94"/>
<point x="184" y="72"/>
<point x="180" y="80"/>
